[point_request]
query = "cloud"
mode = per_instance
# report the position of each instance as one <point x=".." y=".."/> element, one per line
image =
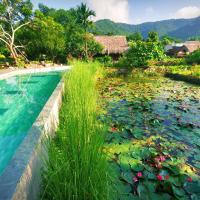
<point x="188" y="12"/>
<point x="116" y="10"/>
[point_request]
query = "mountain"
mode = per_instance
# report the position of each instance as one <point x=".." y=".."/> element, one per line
<point x="179" y="28"/>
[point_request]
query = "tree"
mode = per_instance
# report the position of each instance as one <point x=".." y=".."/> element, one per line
<point x="44" y="37"/>
<point x="83" y="14"/>
<point x="137" y="36"/>
<point x="141" y="52"/>
<point x="153" y="37"/>
<point x="14" y="15"/>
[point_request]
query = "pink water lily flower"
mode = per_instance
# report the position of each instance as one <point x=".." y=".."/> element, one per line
<point x="159" y="177"/>
<point x="162" y="158"/>
<point x="139" y="174"/>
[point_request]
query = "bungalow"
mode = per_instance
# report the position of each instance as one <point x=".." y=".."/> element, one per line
<point x="181" y="50"/>
<point x="113" y="45"/>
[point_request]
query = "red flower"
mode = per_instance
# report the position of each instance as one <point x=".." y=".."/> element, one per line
<point x="159" y="177"/>
<point x="135" y="179"/>
<point x="114" y="129"/>
<point x="139" y="174"/>
<point x="189" y="179"/>
<point x="167" y="177"/>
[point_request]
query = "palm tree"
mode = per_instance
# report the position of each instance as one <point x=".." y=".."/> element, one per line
<point x="83" y="18"/>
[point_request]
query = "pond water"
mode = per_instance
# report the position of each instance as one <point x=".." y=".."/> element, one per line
<point x="149" y="117"/>
<point x="21" y="100"/>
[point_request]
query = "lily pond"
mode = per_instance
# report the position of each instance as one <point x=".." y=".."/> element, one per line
<point x="153" y="140"/>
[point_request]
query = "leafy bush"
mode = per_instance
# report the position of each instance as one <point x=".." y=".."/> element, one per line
<point x="141" y="52"/>
<point x="2" y="57"/>
<point x="193" y="58"/>
<point x="105" y="60"/>
<point x="21" y="62"/>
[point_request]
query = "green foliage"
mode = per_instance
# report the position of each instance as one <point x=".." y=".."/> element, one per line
<point x="3" y="50"/>
<point x="83" y="14"/>
<point x="14" y="15"/>
<point x="21" y="62"/>
<point x="153" y="37"/>
<point x="166" y="39"/>
<point x="78" y="42"/>
<point x="77" y="168"/>
<point x="94" y="48"/>
<point x="107" y="61"/>
<point x="141" y="52"/>
<point x="44" y="37"/>
<point x="137" y="36"/>
<point x="193" y="58"/>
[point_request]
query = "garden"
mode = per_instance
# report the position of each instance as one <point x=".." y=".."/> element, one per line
<point x="139" y="137"/>
<point x="129" y="128"/>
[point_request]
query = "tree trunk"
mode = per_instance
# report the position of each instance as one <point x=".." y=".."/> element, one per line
<point x="14" y="54"/>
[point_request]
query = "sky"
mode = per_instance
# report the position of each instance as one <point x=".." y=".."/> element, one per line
<point x="133" y="11"/>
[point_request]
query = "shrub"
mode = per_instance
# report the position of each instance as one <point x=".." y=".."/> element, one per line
<point x="105" y="60"/>
<point x="2" y="57"/>
<point x="21" y="62"/>
<point x="194" y="58"/>
<point x="141" y="52"/>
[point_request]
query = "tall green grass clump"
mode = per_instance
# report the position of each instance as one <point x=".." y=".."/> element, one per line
<point x="77" y="168"/>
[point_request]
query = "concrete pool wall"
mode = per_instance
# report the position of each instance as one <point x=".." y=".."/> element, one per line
<point x="22" y="177"/>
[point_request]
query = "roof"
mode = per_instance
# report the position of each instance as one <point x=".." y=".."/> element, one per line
<point x="176" y="49"/>
<point x="188" y="46"/>
<point x="113" y="44"/>
<point x="192" y="45"/>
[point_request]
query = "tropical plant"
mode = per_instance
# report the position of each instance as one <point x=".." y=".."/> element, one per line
<point x="83" y="14"/>
<point x="141" y="52"/>
<point x="14" y="15"/>
<point x="44" y="37"/>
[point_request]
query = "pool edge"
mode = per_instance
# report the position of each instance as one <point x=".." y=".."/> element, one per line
<point x="16" y="72"/>
<point x="21" y="178"/>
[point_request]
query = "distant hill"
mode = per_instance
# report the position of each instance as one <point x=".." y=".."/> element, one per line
<point x="179" y="28"/>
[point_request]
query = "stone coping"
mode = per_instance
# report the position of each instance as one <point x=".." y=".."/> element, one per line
<point x="9" y="73"/>
<point x="22" y="177"/>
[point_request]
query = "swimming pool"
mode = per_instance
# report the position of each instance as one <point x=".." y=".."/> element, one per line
<point x="21" y="101"/>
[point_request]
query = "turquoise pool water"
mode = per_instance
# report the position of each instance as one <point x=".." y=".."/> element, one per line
<point x="21" y="100"/>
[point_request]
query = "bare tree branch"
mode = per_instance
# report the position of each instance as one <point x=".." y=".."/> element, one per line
<point x="3" y="40"/>
<point x="22" y="25"/>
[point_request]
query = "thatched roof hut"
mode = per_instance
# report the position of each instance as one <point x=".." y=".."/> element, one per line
<point x="184" y="49"/>
<point x="192" y="45"/>
<point x="113" y="44"/>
